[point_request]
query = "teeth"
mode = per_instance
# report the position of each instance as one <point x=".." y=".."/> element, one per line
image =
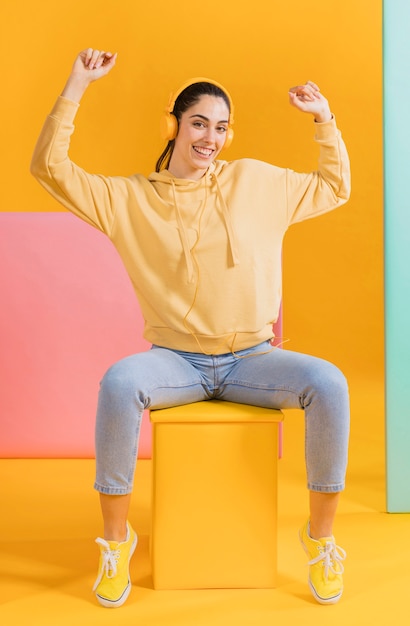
<point x="204" y="151"/>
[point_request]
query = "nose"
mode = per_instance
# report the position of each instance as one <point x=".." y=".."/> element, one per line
<point x="210" y="135"/>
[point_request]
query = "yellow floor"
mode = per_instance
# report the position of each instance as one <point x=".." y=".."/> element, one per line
<point x="48" y="557"/>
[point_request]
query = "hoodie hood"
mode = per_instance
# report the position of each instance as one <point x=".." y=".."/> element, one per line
<point x="175" y="190"/>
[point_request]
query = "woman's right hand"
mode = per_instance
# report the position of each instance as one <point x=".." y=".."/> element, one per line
<point x="89" y="66"/>
<point x="93" y="64"/>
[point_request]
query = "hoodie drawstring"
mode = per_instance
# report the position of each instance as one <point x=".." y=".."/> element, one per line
<point x="184" y="237"/>
<point x="228" y="222"/>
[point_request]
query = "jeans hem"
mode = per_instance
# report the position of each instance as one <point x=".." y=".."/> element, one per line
<point x="326" y="488"/>
<point x="112" y="491"/>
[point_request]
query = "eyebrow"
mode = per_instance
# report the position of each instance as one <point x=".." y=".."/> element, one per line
<point x="203" y="117"/>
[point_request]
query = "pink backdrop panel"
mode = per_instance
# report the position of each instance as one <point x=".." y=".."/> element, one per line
<point x="67" y="313"/>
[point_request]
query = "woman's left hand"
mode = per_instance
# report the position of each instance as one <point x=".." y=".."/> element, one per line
<point x="308" y="99"/>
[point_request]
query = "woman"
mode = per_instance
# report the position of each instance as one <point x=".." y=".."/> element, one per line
<point x="201" y="241"/>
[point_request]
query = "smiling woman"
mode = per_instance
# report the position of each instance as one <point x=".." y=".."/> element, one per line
<point x="201" y="239"/>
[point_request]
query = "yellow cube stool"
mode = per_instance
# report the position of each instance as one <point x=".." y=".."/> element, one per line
<point x="214" y="499"/>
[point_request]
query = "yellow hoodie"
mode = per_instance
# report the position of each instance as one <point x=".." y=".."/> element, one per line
<point x="204" y="256"/>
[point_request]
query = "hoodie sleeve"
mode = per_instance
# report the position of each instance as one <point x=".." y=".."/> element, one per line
<point x="86" y="195"/>
<point x="310" y="195"/>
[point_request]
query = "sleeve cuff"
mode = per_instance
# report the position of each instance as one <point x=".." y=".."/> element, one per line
<point x="326" y="130"/>
<point x="64" y="109"/>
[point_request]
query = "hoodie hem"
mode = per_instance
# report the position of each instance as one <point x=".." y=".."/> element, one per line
<point x="206" y="344"/>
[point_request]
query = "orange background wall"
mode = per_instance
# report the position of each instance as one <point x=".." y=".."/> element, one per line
<point x="332" y="265"/>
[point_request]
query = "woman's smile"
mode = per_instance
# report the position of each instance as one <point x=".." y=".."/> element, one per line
<point x="205" y="152"/>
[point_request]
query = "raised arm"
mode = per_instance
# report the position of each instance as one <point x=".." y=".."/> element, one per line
<point x="88" y="196"/>
<point x="329" y="186"/>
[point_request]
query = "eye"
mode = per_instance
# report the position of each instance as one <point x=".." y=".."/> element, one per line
<point x="198" y="124"/>
<point x="221" y="129"/>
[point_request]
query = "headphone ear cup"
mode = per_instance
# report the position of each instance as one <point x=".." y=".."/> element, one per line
<point x="168" y="126"/>
<point x="229" y="138"/>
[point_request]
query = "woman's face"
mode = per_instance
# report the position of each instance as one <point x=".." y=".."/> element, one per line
<point x="201" y="136"/>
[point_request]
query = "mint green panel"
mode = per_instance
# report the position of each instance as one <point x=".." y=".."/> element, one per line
<point x="396" y="59"/>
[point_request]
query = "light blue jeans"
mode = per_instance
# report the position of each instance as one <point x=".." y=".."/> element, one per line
<point x="260" y="376"/>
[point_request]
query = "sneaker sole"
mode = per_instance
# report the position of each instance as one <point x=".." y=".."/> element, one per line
<point x="112" y="604"/>
<point x="331" y="600"/>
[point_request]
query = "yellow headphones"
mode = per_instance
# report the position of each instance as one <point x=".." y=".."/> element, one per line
<point x="169" y="122"/>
